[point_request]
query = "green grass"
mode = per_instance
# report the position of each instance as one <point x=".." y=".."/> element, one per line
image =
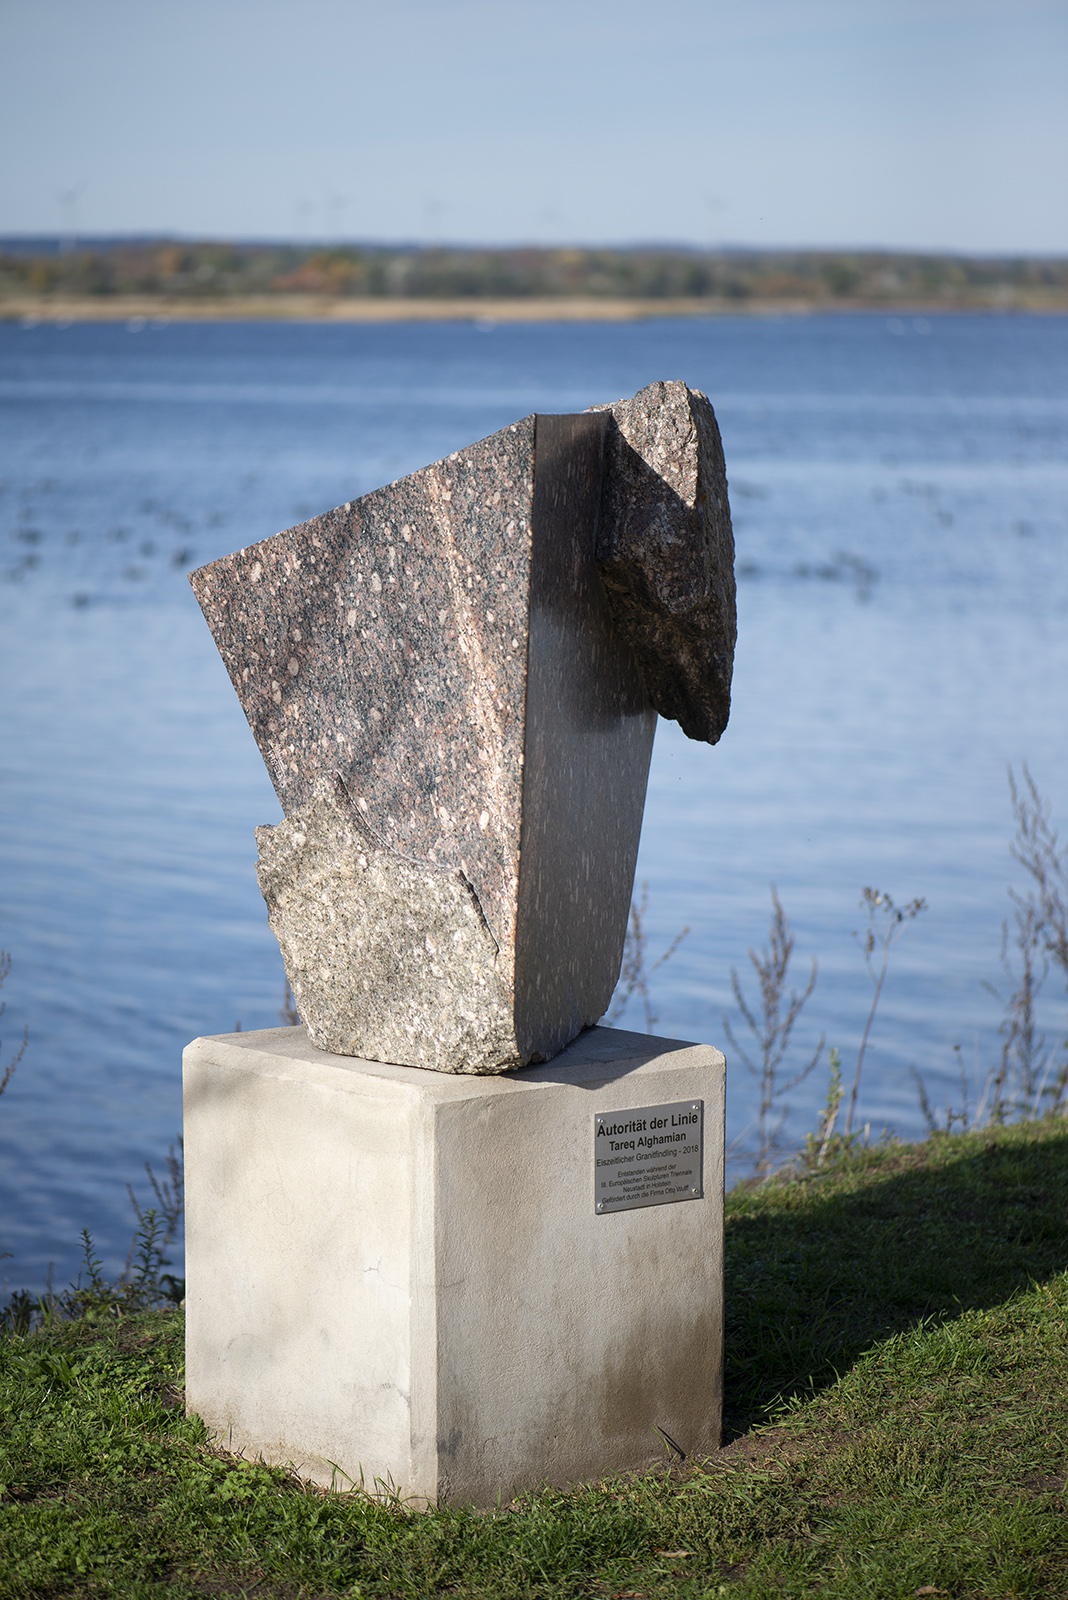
<point x="897" y="1423"/>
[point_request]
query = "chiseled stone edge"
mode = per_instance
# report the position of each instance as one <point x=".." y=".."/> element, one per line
<point x="389" y="958"/>
<point x="665" y="552"/>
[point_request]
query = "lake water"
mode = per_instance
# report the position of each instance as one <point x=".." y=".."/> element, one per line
<point x="900" y="497"/>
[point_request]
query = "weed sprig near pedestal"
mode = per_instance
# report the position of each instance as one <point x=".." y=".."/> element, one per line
<point x="1030" y="1079"/>
<point x="886" y="924"/>
<point x="1031" y="1076"/>
<point x="635" y="973"/>
<point x="771" y="1023"/>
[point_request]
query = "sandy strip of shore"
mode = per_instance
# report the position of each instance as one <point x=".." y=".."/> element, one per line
<point x="314" y="308"/>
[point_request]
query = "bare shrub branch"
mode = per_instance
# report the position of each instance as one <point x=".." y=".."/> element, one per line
<point x="771" y="1022"/>
<point x="170" y="1196"/>
<point x="8" y="1072"/>
<point x="886" y="924"/>
<point x="633" y="974"/>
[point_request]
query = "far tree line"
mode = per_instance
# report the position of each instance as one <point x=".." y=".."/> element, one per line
<point x="210" y="269"/>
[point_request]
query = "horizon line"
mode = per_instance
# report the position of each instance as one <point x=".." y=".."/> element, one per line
<point x="65" y="239"/>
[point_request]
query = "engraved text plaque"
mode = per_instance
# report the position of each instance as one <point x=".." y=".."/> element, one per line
<point x="648" y="1157"/>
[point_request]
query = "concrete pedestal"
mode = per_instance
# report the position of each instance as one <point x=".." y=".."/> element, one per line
<point x="402" y="1277"/>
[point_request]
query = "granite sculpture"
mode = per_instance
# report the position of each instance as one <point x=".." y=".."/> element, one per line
<point x="454" y="682"/>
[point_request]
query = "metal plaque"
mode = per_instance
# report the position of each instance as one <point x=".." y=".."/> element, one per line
<point x="648" y="1157"/>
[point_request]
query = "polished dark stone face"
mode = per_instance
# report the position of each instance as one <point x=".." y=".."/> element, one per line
<point x="589" y="738"/>
<point x="466" y="660"/>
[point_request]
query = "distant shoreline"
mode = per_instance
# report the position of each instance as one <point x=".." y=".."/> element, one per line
<point x="378" y="309"/>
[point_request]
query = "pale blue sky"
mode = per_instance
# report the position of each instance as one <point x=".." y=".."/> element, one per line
<point x="937" y="124"/>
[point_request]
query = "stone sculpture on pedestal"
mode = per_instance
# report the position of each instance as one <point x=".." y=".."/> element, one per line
<point x="469" y="1281"/>
<point x="454" y="683"/>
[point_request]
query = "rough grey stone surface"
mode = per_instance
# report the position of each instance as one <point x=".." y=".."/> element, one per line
<point x="389" y="959"/>
<point x="665" y="550"/>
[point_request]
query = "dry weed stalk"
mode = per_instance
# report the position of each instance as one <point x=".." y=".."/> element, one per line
<point x="287" y="1012"/>
<point x="771" y="1029"/>
<point x="1036" y="939"/>
<point x="170" y="1197"/>
<point x="886" y="924"/>
<point x="1028" y="1079"/>
<point x="634" y="975"/>
<point x="9" y="1070"/>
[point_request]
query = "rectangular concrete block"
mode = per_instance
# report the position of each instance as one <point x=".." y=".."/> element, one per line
<point x="397" y="1276"/>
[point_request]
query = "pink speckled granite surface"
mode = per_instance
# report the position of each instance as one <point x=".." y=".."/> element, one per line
<point x="453" y="674"/>
<point x="386" y="641"/>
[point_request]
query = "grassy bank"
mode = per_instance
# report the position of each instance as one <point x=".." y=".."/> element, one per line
<point x="896" y="1424"/>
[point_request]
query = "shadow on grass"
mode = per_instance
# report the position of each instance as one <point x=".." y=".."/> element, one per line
<point x="820" y="1268"/>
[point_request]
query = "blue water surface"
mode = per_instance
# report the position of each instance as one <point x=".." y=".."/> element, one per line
<point x="900" y="497"/>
